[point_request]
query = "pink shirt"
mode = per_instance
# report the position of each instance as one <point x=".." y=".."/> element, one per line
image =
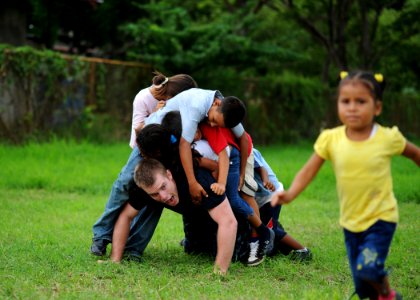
<point x="143" y="105"/>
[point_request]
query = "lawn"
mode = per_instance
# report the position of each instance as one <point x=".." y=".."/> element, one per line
<point x="51" y="194"/>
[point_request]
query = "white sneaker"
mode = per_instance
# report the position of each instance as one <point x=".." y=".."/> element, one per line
<point x="254" y="258"/>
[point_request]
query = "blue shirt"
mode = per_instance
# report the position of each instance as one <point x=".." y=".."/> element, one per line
<point x="193" y="105"/>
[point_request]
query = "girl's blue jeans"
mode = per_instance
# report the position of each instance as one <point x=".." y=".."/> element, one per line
<point x="367" y="252"/>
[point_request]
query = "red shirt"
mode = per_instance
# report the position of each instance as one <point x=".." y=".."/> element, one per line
<point x="219" y="138"/>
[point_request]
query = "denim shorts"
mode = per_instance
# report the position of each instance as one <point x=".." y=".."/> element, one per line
<point x="205" y="178"/>
<point x="367" y="252"/>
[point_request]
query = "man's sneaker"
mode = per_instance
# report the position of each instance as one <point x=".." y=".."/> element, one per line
<point x="267" y="245"/>
<point x="98" y="247"/>
<point x="255" y="257"/>
<point x="301" y="255"/>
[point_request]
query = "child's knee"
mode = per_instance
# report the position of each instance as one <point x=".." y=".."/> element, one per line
<point x="370" y="266"/>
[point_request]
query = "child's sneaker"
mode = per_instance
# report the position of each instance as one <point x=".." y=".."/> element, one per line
<point x="255" y="257"/>
<point x="301" y="255"/>
<point x="267" y="245"/>
<point x="393" y="295"/>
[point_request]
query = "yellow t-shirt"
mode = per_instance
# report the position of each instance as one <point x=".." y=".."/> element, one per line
<point x="363" y="174"/>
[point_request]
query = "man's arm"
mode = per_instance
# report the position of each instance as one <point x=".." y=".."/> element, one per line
<point x="196" y="190"/>
<point x="226" y="235"/>
<point x="121" y="232"/>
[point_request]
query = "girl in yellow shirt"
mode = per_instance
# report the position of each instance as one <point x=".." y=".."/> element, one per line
<point x="360" y="151"/>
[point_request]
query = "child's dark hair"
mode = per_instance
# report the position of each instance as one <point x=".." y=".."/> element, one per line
<point x="172" y="123"/>
<point x="233" y="110"/>
<point x="168" y="87"/>
<point x="154" y="141"/>
<point x="374" y="82"/>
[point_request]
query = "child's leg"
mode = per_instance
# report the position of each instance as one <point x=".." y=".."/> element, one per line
<point x="367" y="252"/>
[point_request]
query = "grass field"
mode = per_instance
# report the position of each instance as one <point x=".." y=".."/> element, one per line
<point x="51" y="194"/>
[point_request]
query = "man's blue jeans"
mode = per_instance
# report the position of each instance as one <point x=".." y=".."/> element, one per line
<point x="143" y="226"/>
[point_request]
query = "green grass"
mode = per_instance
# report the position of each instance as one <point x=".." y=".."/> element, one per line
<point x="51" y="194"/>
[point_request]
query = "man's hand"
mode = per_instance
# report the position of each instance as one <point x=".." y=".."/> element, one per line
<point x="279" y="198"/>
<point x="197" y="192"/>
<point x="218" y="188"/>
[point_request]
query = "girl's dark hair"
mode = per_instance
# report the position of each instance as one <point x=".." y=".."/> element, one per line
<point x="168" y="87"/>
<point x="154" y="141"/>
<point x="374" y="82"/>
<point x="172" y="122"/>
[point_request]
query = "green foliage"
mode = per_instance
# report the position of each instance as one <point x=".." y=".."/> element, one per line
<point x="51" y="195"/>
<point x="286" y="107"/>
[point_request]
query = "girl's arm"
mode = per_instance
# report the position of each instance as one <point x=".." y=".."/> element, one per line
<point x="300" y="182"/>
<point x="412" y="152"/>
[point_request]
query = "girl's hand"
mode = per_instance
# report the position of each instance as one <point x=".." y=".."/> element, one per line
<point x="269" y="185"/>
<point x="218" y="188"/>
<point x="160" y="105"/>
<point x="279" y="198"/>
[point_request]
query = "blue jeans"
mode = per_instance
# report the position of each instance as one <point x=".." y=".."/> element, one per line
<point x="367" y="252"/>
<point x="239" y="206"/>
<point x="143" y="225"/>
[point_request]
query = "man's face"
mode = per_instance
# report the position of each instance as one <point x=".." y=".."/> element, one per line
<point x="164" y="189"/>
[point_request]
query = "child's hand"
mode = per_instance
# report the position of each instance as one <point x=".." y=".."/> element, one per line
<point x="269" y="185"/>
<point x="215" y="174"/>
<point x="218" y="188"/>
<point x="160" y="105"/>
<point x="241" y="182"/>
<point x="279" y="198"/>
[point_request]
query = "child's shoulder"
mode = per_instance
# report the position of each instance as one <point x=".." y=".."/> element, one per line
<point x="335" y="131"/>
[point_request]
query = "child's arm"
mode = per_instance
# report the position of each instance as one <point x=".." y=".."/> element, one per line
<point x="196" y="190"/>
<point x="264" y="177"/>
<point x="243" y="148"/>
<point x="219" y="187"/>
<point x="412" y="152"/>
<point x="300" y="182"/>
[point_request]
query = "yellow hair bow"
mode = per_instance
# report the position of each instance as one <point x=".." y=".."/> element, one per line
<point x="379" y="77"/>
<point x="343" y="74"/>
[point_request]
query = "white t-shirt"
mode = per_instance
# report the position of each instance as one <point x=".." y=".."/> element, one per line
<point x="203" y="147"/>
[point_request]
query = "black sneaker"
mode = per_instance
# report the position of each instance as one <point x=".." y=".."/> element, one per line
<point x="132" y="256"/>
<point x="302" y="255"/>
<point x="266" y="246"/>
<point x="98" y="247"/>
<point x="255" y="257"/>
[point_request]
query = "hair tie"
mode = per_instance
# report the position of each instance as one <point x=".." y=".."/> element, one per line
<point x="165" y="81"/>
<point x="173" y="139"/>
<point x="343" y="74"/>
<point x="379" y="77"/>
